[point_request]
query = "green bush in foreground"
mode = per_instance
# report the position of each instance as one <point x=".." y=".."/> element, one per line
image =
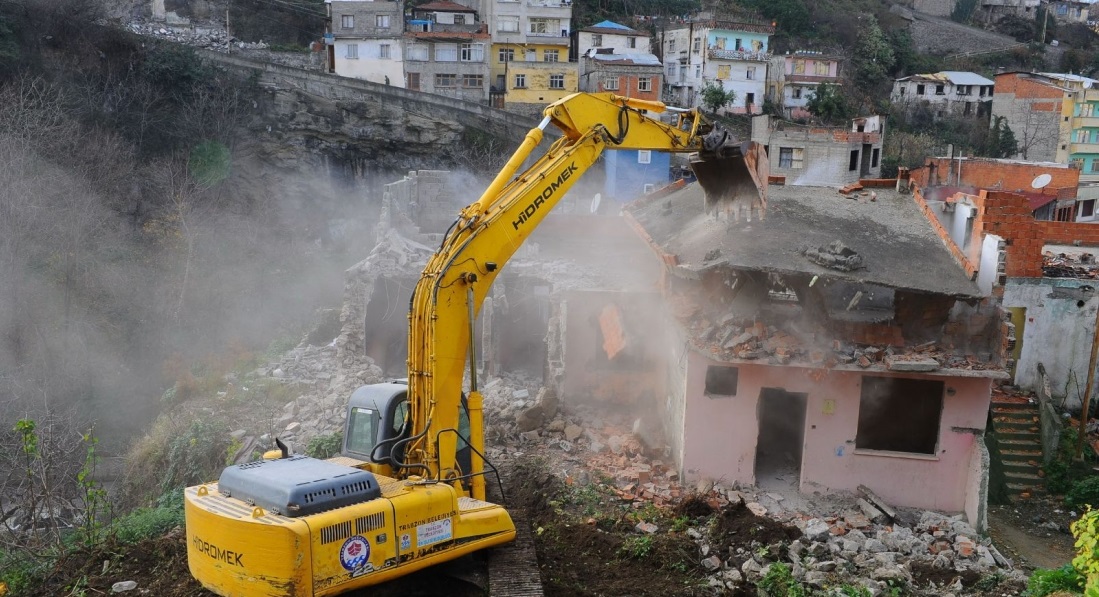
<point x="1044" y="582"/>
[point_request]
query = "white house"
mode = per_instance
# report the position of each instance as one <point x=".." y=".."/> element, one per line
<point x="608" y="34"/>
<point x="365" y="40"/>
<point x="730" y="51"/>
<point x="943" y="93"/>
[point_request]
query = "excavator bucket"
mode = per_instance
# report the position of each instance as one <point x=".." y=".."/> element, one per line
<point x="733" y="176"/>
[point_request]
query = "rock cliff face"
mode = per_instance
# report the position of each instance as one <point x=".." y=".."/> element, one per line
<point x="297" y="131"/>
<point x="314" y="122"/>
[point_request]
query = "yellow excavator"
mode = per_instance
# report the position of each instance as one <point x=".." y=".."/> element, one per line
<point x="408" y="489"/>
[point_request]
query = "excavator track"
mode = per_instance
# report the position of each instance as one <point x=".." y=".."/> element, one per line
<point x="513" y="568"/>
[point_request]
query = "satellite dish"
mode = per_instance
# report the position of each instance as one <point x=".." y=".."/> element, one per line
<point x="599" y="197"/>
<point x="1041" y="181"/>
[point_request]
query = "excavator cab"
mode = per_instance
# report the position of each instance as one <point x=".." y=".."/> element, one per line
<point x="377" y="429"/>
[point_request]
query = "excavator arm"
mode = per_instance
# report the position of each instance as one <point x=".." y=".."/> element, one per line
<point x="487" y="233"/>
<point x="397" y="499"/>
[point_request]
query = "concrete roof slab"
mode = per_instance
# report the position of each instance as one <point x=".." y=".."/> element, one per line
<point x="899" y="247"/>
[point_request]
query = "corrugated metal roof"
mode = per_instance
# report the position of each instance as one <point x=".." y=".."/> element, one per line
<point x="951" y="76"/>
<point x="1088" y="82"/>
<point x="611" y="25"/>
<point x="965" y="78"/>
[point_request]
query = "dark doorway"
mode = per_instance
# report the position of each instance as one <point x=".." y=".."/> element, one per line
<point x="866" y="153"/>
<point x="781" y="417"/>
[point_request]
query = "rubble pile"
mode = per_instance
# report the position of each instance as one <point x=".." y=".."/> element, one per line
<point x="213" y="36"/>
<point x="834" y="256"/>
<point x="852" y="546"/>
<point x="1062" y="265"/>
<point x="744" y="338"/>
<point x="860" y="539"/>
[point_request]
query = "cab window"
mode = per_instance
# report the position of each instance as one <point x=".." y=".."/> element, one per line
<point x="360" y="431"/>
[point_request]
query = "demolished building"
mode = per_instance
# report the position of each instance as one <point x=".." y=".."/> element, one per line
<point x="835" y="343"/>
<point x="1043" y="271"/>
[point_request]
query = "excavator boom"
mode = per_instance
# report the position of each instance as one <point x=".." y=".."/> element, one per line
<point x="408" y="490"/>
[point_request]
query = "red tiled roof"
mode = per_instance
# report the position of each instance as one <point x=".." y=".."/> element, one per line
<point x="1038" y="200"/>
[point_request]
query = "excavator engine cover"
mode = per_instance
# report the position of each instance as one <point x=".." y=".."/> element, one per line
<point x="298" y="485"/>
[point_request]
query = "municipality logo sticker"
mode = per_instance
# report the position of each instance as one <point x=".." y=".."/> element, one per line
<point x="355" y="552"/>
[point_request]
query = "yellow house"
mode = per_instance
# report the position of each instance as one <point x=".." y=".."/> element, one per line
<point x="533" y="75"/>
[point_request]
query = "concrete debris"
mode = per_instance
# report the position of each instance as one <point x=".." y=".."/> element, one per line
<point x="834" y="256"/>
<point x="730" y="338"/>
<point x="211" y="35"/>
<point x="1062" y="265"/>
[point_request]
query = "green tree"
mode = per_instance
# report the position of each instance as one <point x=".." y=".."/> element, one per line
<point x="9" y="46"/>
<point x="963" y="9"/>
<point x="1001" y="141"/>
<point x="829" y="104"/>
<point x="715" y="97"/>
<point x="1074" y="61"/>
<point x="873" y="56"/>
<point x="792" y="17"/>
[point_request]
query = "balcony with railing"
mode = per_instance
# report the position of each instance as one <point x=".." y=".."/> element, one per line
<point x="1085" y="147"/>
<point x="559" y="38"/>
<point x="1085" y="121"/>
<point x="425" y="26"/>
<point x="717" y="53"/>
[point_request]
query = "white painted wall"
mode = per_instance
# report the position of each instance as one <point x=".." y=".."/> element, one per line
<point x="369" y="65"/>
<point x="619" y="43"/>
<point x="990" y="261"/>
<point x="1057" y="333"/>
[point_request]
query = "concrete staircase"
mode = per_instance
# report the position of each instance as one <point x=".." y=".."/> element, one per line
<point x="1015" y="421"/>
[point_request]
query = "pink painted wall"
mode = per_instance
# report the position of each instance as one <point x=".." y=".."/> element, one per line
<point x="811" y="66"/>
<point x="720" y="435"/>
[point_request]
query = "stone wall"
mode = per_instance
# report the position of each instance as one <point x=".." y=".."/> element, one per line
<point x="423" y="114"/>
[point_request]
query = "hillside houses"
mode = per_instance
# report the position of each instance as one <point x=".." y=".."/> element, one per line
<point x="729" y="50"/>
<point x="944" y="93"/>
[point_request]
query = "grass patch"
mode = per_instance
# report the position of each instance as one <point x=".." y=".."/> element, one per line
<point x="1044" y="582"/>
<point x="148" y="523"/>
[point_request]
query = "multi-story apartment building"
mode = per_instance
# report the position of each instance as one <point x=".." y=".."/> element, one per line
<point x="447" y="51"/>
<point x="529" y="57"/>
<point x="364" y="40"/>
<point x="608" y="34"/>
<point x="944" y="93"/>
<point x="793" y="79"/>
<point x="1055" y="118"/>
<point x="727" y="50"/>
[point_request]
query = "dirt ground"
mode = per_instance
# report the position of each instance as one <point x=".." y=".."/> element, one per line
<point x="588" y="545"/>
<point x="1034" y="533"/>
